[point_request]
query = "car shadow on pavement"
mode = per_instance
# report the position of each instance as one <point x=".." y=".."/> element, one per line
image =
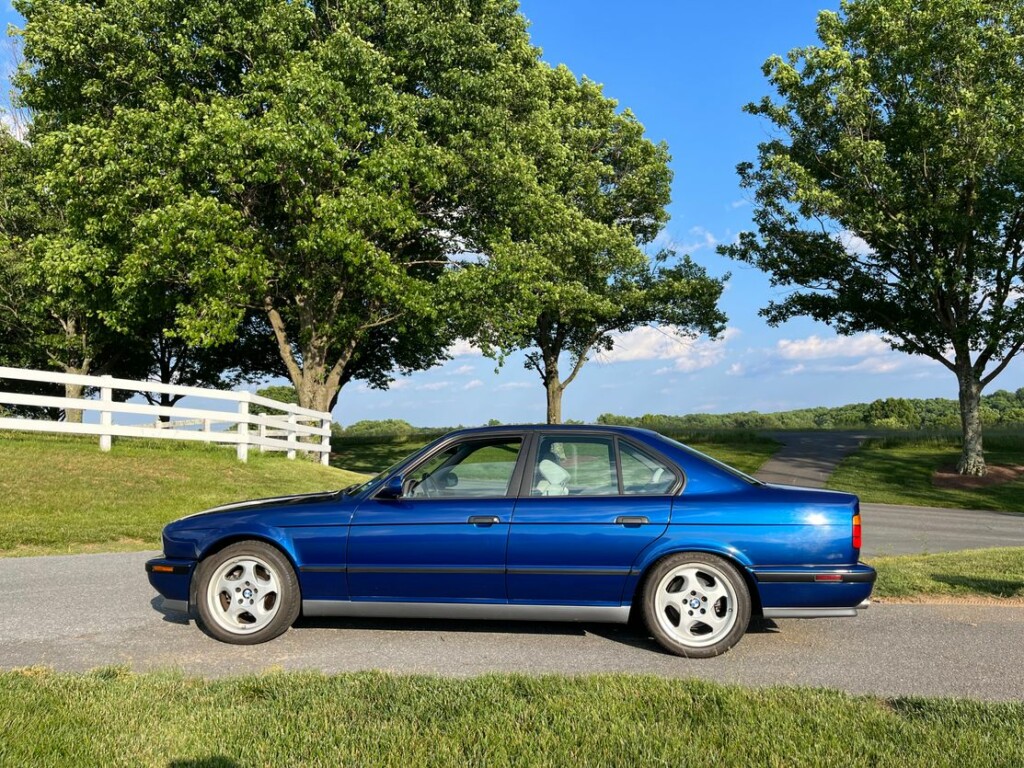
<point x="214" y="761"/>
<point x="633" y="634"/>
<point x="171" y="617"/>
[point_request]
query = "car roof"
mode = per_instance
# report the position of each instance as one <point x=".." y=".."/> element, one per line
<point x="599" y="428"/>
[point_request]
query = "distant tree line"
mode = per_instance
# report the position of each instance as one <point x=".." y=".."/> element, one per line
<point x="1001" y="408"/>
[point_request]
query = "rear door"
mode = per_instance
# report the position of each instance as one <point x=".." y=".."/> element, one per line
<point x="589" y="504"/>
<point x="444" y="540"/>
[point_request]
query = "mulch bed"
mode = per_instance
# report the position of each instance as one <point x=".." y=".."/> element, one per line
<point x="947" y="477"/>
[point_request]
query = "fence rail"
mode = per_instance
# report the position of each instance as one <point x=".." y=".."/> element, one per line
<point x="292" y="430"/>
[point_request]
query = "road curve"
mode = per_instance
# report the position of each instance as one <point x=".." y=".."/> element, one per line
<point x="79" y="612"/>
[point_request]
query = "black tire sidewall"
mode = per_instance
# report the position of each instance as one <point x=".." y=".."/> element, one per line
<point x="742" y="607"/>
<point x="289" y="595"/>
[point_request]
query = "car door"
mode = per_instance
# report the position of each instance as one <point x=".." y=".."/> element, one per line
<point x="444" y="539"/>
<point x="581" y="521"/>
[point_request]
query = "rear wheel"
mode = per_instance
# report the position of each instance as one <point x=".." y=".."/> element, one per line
<point x="246" y="593"/>
<point x="696" y="605"/>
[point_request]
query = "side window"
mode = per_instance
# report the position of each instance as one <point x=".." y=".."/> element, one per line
<point x="643" y="474"/>
<point x="575" y="466"/>
<point x="470" y="469"/>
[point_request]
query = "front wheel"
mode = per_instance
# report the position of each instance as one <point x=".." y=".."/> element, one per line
<point x="246" y="593"/>
<point x="696" y="605"/>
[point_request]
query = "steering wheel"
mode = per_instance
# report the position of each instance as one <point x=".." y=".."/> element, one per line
<point x="427" y="487"/>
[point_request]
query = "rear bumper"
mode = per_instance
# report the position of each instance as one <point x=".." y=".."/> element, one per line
<point x="814" y="592"/>
<point x="856" y="574"/>
<point x="172" y="578"/>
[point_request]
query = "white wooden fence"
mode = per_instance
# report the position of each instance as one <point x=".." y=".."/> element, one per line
<point x="267" y="432"/>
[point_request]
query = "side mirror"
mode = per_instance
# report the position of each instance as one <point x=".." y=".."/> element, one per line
<point x="392" y="489"/>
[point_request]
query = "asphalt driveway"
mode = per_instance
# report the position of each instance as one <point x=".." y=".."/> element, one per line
<point x="79" y="612"/>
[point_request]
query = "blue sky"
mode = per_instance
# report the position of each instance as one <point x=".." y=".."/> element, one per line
<point x="685" y="68"/>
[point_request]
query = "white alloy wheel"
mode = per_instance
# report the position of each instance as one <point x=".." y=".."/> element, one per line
<point x="696" y="604"/>
<point x="246" y="593"/>
<point x="243" y="595"/>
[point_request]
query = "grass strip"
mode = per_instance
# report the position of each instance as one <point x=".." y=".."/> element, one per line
<point x="62" y="495"/>
<point x="990" y="573"/>
<point x="113" y="717"/>
<point x="898" y="470"/>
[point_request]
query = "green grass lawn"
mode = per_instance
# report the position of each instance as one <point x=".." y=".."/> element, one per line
<point x="995" y="573"/>
<point x="744" y="451"/>
<point x="62" y="495"/>
<point x="115" y="718"/>
<point x="899" y="470"/>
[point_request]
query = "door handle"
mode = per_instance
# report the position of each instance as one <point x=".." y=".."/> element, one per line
<point x="631" y="520"/>
<point x="483" y="519"/>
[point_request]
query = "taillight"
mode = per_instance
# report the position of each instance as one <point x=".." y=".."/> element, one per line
<point x="856" y="532"/>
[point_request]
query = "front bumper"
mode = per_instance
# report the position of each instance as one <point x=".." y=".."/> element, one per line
<point x="172" y="578"/>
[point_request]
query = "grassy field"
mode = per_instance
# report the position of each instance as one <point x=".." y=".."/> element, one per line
<point x="743" y="450"/>
<point x="114" y="718"/>
<point x="62" y="495"/>
<point x="898" y="470"/>
<point x="997" y="573"/>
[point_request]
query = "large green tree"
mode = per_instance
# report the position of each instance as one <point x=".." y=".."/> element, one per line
<point x="569" y="269"/>
<point x="317" y="162"/>
<point x="49" y="306"/>
<point x="892" y="197"/>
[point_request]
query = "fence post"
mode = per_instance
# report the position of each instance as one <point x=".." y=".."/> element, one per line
<point x="207" y="428"/>
<point x="243" y="429"/>
<point x="106" y="417"/>
<point x="325" y="442"/>
<point x="262" y="432"/>
<point x="292" y="421"/>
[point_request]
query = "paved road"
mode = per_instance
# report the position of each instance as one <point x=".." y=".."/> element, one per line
<point x="901" y="530"/>
<point x="808" y="458"/>
<point x="77" y="613"/>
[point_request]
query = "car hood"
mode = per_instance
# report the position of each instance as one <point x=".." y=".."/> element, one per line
<point x="297" y="501"/>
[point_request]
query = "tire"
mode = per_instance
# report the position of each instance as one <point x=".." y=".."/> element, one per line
<point x="247" y="593"/>
<point x="714" y="614"/>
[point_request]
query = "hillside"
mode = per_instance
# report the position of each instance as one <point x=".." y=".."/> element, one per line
<point x="62" y="495"/>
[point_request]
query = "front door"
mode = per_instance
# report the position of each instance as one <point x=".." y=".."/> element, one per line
<point x="445" y="538"/>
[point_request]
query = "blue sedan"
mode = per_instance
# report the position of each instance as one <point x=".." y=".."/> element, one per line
<point x="548" y="523"/>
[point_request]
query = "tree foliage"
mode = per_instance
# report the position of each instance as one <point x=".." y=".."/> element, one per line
<point x="317" y="162"/>
<point x="569" y="270"/>
<point x="892" y="198"/>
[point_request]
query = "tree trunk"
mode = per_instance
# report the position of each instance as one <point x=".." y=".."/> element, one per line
<point x="73" y="415"/>
<point x="972" y="458"/>
<point x="554" y="389"/>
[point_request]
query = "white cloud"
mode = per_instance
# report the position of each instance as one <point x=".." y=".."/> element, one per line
<point x="817" y="348"/>
<point x="463" y="370"/>
<point x="739" y="203"/>
<point x="668" y="343"/>
<point x="854" y="243"/>
<point x="474" y="384"/>
<point x="433" y="386"/>
<point x="514" y="385"/>
<point x="463" y="348"/>
<point x="736" y="369"/>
